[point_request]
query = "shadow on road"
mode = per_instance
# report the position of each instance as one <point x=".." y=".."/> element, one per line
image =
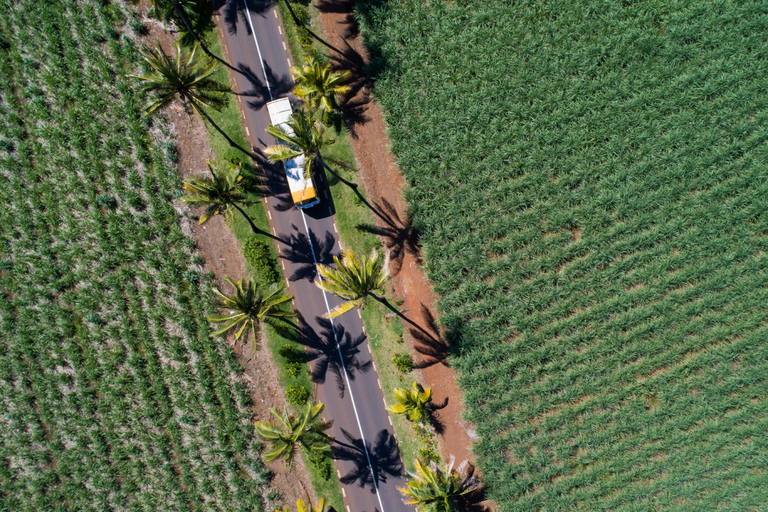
<point x="323" y="354"/>
<point x="299" y="251"/>
<point x="232" y="10"/>
<point x="385" y="459"/>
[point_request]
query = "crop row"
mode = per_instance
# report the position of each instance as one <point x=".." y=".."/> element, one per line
<point x="115" y="395"/>
<point x="589" y="186"/>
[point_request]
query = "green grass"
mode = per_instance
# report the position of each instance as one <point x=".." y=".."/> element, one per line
<point x="589" y="185"/>
<point x="114" y="395"/>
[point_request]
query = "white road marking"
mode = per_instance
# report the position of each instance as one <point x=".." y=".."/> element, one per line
<point x="377" y="380"/>
<point x="343" y="492"/>
<point x="265" y="200"/>
<point x="283" y="264"/>
<point x="258" y="50"/>
<point x="369" y="349"/>
<point x="341" y="247"/>
<point x="346" y="375"/>
<point x="350" y="510"/>
<point x="338" y="473"/>
<point x="274" y="232"/>
<point x="275" y="13"/>
<point x="287" y="283"/>
<point x="284" y="47"/>
<point x="280" y="29"/>
<point x="335" y="230"/>
<point x="359" y="314"/>
<point x="289" y="63"/>
<point x="374" y="366"/>
<point x="390" y="420"/>
<point x="247" y="131"/>
<point x="270" y="214"/>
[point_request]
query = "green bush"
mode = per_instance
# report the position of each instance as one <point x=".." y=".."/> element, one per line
<point x="323" y="465"/>
<point x="297" y="395"/>
<point x="403" y="362"/>
<point x="259" y="258"/>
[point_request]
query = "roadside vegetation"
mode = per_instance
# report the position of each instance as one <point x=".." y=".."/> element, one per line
<point x="355" y="219"/>
<point x="115" y="394"/>
<point x="589" y="185"/>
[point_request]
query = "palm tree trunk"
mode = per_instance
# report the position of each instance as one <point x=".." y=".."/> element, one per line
<point x="392" y="308"/>
<point x="300" y="24"/>
<point x="180" y="13"/>
<point x="255" y="230"/>
<point x="351" y="185"/>
<point x="229" y="140"/>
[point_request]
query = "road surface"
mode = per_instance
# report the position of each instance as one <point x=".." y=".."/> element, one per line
<point x="367" y="458"/>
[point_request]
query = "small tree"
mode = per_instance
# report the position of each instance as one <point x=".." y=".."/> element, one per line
<point x="318" y="85"/>
<point x="352" y="280"/>
<point x="218" y="192"/>
<point x="433" y="489"/>
<point x="414" y="403"/>
<point x="250" y="306"/>
<point x="306" y="136"/>
<point x="306" y="430"/>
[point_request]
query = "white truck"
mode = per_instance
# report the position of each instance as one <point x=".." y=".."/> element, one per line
<point x="302" y="187"/>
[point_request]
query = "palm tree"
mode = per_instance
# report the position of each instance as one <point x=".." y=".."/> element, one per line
<point x="318" y="86"/>
<point x="306" y="430"/>
<point x="414" y="403"/>
<point x="182" y="75"/>
<point x="433" y="489"/>
<point x="352" y="280"/>
<point x="301" y="507"/>
<point x="217" y="193"/>
<point x="306" y="136"/>
<point x="251" y="305"/>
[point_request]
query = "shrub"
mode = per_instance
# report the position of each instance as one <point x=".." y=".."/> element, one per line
<point x="297" y="395"/>
<point x="403" y="362"/>
<point x="258" y="257"/>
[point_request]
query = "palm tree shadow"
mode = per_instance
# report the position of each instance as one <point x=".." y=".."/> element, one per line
<point x="323" y="353"/>
<point x="234" y="9"/>
<point x="384" y="459"/>
<point x="300" y="251"/>
<point x="280" y="86"/>
<point x="429" y="343"/>
<point x="475" y="501"/>
<point x="399" y="235"/>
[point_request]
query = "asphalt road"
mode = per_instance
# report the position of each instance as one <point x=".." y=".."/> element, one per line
<point x="367" y="458"/>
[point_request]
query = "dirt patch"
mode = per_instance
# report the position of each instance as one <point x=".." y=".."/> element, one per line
<point x="384" y="185"/>
<point x="223" y="257"/>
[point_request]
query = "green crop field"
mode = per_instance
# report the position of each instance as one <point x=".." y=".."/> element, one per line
<point x="113" y="396"/>
<point x="590" y="181"/>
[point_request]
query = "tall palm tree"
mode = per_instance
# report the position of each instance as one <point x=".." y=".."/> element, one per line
<point x="352" y="280"/>
<point x="433" y="489"/>
<point x="306" y="430"/>
<point x="302" y="507"/>
<point x="318" y="85"/>
<point x="182" y="75"/>
<point x="308" y="138"/>
<point x="414" y="403"/>
<point x="251" y="305"/>
<point x="218" y="192"/>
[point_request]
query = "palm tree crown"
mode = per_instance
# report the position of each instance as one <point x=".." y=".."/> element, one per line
<point x="318" y="84"/>
<point x="217" y="193"/>
<point x="251" y="305"/>
<point x="352" y="280"/>
<point x="182" y="75"/>
<point x="304" y="136"/>
<point x="433" y="489"/>
<point x="413" y="403"/>
<point x="306" y="430"/>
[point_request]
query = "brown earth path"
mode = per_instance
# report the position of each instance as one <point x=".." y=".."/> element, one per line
<point x="384" y="185"/>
